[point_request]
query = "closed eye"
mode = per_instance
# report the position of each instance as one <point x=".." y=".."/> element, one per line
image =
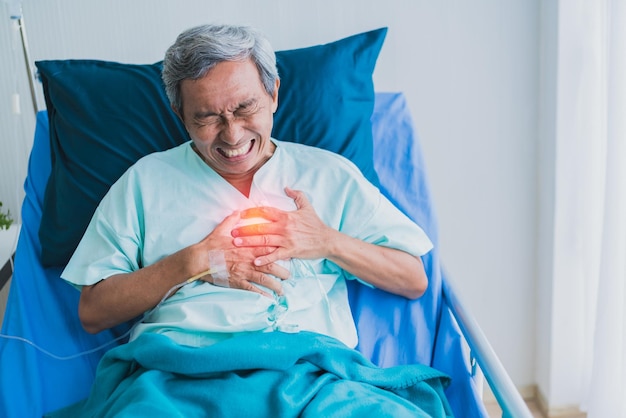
<point x="207" y="120"/>
<point x="244" y="110"/>
<point x="247" y="108"/>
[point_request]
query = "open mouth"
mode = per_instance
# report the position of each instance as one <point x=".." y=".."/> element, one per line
<point x="236" y="152"/>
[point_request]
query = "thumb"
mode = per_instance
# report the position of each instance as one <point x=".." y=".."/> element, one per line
<point x="298" y="196"/>
<point x="231" y="220"/>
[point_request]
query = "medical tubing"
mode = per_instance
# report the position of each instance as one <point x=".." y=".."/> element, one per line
<point x="321" y="288"/>
<point x="65" y="358"/>
<point x="219" y="270"/>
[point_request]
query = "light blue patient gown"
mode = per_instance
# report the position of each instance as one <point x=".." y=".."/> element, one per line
<point x="172" y="199"/>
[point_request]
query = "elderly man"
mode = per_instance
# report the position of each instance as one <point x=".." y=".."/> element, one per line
<point x="236" y="239"/>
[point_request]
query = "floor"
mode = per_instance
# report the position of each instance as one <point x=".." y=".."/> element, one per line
<point x="494" y="410"/>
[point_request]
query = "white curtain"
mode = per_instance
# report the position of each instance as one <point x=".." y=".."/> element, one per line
<point x="590" y="179"/>
<point x="607" y="382"/>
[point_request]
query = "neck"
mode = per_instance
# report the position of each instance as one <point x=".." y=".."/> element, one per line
<point x="243" y="185"/>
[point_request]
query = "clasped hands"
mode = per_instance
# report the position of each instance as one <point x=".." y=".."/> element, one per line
<point x="251" y="252"/>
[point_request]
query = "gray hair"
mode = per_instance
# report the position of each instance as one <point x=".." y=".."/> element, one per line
<point x="199" y="49"/>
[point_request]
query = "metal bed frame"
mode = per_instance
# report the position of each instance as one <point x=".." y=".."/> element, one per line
<point x="482" y="353"/>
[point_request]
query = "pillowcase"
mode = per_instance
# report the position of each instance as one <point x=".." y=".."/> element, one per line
<point x="104" y="116"/>
<point x="326" y="97"/>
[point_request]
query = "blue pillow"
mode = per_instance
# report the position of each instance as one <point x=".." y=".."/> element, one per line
<point x="104" y="116"/>
<point x="326" y="97"/>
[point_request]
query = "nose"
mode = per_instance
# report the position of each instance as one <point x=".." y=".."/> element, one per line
<point x="232" y="131"/>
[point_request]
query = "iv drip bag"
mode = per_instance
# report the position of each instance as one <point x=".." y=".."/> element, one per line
<point x="15" y="8"/>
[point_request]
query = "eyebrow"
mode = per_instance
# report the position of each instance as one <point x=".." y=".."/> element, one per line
<point x="242" y="105"/>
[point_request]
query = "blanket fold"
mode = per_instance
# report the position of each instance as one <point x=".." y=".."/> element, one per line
<point x="257" y="375"/>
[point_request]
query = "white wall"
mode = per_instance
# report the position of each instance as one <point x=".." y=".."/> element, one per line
<point x="470" y="72"/>
<point x="546" y="196"/>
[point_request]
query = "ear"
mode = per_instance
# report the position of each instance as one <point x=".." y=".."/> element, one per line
<point x="177" y="112"/>
<point x="275" y="96"/>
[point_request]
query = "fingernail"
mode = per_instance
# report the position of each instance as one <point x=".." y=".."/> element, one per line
<point x="238" y="241"/>
<point x="257" y="262"/>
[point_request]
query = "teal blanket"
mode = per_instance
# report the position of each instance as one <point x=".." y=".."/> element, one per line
<point x="257" y="375"/>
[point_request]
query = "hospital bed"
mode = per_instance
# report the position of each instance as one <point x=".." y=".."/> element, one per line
<point x="48" y="361"/>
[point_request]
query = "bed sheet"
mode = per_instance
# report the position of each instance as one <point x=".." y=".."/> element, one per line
<point x="392" y="330"/>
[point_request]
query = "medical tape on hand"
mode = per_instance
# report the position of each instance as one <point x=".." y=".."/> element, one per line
<point x="218" y="269"/>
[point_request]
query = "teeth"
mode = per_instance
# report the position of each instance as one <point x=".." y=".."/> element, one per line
<point x="230" y="153"/>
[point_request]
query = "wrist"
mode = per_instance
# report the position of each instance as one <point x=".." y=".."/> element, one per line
<point x="333" y="243"/>
<point x="196" y="259"/>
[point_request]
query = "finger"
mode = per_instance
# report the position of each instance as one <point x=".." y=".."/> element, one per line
<point x="256" y="229"/>
<point x="259" y="251"/>
<point x="275" y="270"/>
<point x="266" y="213"/>
<point x="274" y="256"/>
<point x="267" y="282"/>
<point x="298" y="196"/>
<point x="230" y="221"/>
<point x="268" y="241"/>
<point x="272" y="228"/>
<point x="252" y="288"/>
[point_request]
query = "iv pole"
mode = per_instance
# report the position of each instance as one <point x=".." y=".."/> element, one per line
<point x="15" y="10"/>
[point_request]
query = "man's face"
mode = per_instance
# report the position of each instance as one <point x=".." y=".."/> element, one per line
<point x="229" y="117"/>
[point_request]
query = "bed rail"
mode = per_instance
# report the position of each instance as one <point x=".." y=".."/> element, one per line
<point x="6" y="272"/>
<point x="501" y="385"/>
<point x="18" y="19"/>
